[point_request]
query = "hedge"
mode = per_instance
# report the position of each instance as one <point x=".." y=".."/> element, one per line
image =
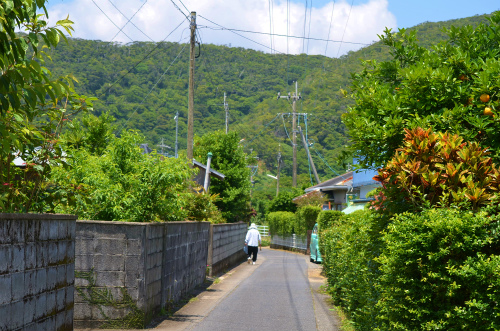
<point x="281" y="222"/>
<point x="328" y="218"/>
<point x="437" y="270"/>
<point x="441" y="271"/>
<point x="305" y="218"/>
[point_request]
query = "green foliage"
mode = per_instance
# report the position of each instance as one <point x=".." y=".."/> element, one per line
<point x="124" y="185"/>
<point x="281" y="222"/>
<point x="439" y="271"/>
<point x="229" y="159"/>
<point x="201" y="207"/>
<point x="91" y="132"/>
<point x="314" y="198"/>
<point x="328" y="218"/>
<point x="34" y="106"/>
<point x="438" y="88"/>
<point x="437" y="169"/>
<point x="305" y="218"/>
<point x="283" y="202"/>
<point x="348" y="249"/>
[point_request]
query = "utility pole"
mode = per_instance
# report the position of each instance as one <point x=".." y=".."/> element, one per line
<point x="163" y="145"/>
<point x="294" y="98"/>
<point x="306" y="146"/>
<point x="226" y="108"/>
<point x="191" y="91"/>
<point x="176" y="133"/>
<point x="279" y="168"/>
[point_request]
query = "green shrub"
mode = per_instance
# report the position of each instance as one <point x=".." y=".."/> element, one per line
<point x="327" y="218"/>
<point x="123" y="184"/>
<point x="348" y="249"/>
<point x="305" y="218"/>
<point x="281" y="222"/>
<point x="440" y="271"/>
<point x="283" y="202"/>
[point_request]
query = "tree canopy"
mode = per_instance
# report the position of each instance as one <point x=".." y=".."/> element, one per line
<point x="453" y="86"/>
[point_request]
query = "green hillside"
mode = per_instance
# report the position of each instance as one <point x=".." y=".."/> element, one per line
<point x="144" y="84"/>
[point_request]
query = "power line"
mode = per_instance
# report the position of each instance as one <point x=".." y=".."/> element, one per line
<point x="175" y="5"/>
<point x="280" y="35"/>
<point x="102" y="11"/>
<point x="270" y="24"/>
<point x="142" y="60"/>
<point x="184" y="6"/>
<point x="345" y="28"/>
<point x="129" y="20"/>
<point x="233" y="31"/>
<point x="329" y="30"/>
<point x="152" y="88"/>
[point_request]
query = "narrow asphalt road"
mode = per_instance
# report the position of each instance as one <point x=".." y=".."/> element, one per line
<point x="278" y="293"/>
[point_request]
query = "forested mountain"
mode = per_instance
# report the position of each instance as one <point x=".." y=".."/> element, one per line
<point x="144" y="84"/>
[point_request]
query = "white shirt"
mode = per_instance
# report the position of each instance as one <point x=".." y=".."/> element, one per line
<point x="253" y="237"/>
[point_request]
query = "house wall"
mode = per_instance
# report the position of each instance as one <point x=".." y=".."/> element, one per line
<point x="37" y="256"/>
<point x="363" y="190"/>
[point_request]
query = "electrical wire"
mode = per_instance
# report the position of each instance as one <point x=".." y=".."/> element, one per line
<point x="278" y="35"/>
<point x="270" y="24"/>
<point x="177" y="7"/>
<point x="265" y="126"/>
<point x="234" y="31"/>
<point x="152" y="88"/>
<point x="129" y="20"/>
<point x="329" y="30"/>
<point x="182" y="3"/>
<point x="102" y="11"/>
<point x="345" y="28"/>
<point x="142" y="60"/>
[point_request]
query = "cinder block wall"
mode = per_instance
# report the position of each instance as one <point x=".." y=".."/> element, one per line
<point x="226" y="246"/>
<point x="185" y="258"/>
<point x="125" y="272"/>
<point x="37" y="256"/>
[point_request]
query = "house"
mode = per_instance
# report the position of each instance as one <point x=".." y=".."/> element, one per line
<point x="335" y="189"/>
<point x="200" y="178"/>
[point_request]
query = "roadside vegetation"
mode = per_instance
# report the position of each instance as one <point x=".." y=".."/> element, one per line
<point x="425" y="255"/>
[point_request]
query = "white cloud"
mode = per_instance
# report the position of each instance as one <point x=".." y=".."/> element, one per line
<point x="158" y="17"/>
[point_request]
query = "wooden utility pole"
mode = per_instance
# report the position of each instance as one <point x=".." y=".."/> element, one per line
<point x="294" y="98"/>
<point x="306" y="146"/>
<point x="176" y="134"/>
<point x="226" y="108"/>
<point x="191" y="91"/>
<point x="278" y="175"/>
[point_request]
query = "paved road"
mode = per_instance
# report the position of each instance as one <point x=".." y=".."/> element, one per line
<point x="279" y="293"/>
<point x="276" y="296"/>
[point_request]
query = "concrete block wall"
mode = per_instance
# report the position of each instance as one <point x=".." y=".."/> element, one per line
<point x="153" y="263"/>
<point x="110" y="256"/>
<point x="226" y="246"/>
<point x="185" y="258"/>
<point x="37" y="256"/>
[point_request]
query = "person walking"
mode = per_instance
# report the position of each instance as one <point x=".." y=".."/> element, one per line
<point x="253" y="242"/>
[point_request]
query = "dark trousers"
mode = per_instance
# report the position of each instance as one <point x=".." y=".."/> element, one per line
<point x="254" y="250"/>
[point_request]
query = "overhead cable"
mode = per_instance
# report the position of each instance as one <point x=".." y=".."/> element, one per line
<point x="152" y="88"/>
<point x="102" y="11"/>
<point x="129" y="21"/>
<point x="142" y="60"/>
<point x="345" y="28"/>
<point x="233" y="31"/>
<point x="279" y="35"/>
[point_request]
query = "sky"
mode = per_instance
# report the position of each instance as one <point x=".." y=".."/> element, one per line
<point x="347" y="24"/>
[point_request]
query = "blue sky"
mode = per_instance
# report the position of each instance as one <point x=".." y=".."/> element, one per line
<point x="154" y="19"/>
